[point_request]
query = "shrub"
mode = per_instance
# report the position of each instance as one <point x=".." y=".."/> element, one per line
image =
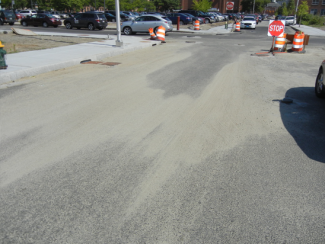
<point x="316" y="20"/>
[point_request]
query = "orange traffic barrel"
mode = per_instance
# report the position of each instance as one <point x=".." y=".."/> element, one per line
<point x="161" y="33"/>
<point x="280" y="42"/>
<point x="298" y="41"/>
<point x="152" y="34"/>
<point x="197" y="25"/>
<point x="237" y="26"/>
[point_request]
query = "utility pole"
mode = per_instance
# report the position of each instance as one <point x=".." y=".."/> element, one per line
<point x="296" y="10"/>
<point x="119" y="42"/>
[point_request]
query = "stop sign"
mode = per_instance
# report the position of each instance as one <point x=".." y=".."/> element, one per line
<point x="230" y="6"/>
<point x="276" y="28"/>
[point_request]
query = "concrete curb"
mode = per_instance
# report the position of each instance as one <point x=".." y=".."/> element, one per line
<point x="17" y="70"/>
<point x="294" y="28"/>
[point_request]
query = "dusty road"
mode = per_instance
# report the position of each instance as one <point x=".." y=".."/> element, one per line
<point x="180" y="143"/>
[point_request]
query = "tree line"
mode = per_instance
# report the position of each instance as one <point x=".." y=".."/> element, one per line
<point x="79" y="5"/>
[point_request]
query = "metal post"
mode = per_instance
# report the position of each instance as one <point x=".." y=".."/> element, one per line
<point x="104" y="6"/>
<point x="254" y="7"/>
<point x="272" y="48"/>
<point x="178" y="20"/>
<point x="296" y="10"/>
<point x="119" y="42"/>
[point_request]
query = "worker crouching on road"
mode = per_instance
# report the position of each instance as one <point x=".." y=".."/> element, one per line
<point x="2" y="57"/>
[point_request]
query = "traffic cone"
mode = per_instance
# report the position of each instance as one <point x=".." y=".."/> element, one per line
<point x="161" y="34"/>
<point x="152" y="34"/>
<point x="197" y="25"/>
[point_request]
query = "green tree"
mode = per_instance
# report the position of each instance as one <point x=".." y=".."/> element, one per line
<point x="247" y="5"/>
<point x="166" y="5"/>
<point x="291" y="7"/>
<point x="284" y="9"/>
<point x="201" y="5"/>
<point x="303" y="10"/>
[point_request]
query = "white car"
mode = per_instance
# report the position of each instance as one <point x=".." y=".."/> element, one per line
<point x="56" y="14"/>
<point x="28" y="12"/>
<point x="290" y="20"/>
<point x="248" y="22"/>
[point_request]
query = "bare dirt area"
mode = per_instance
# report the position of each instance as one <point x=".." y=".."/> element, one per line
<point x="14" y="43"/>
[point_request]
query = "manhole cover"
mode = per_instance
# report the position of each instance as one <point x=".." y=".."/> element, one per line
<point x="190" y="41"/>
<point x="99" y="62"/>
<point x="92" y="62"/>
<point x="110" y="63"/>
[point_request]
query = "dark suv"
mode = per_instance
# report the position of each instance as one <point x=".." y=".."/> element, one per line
<point x="7" y="16"/>
<point x="207" y="17"/>
<point x="90" y="20"/>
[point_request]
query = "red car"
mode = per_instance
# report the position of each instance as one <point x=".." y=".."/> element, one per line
<point x="19" y="16"/>
<point x="41" y="19"/>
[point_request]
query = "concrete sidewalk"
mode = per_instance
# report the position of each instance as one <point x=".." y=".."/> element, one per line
<point x="308" y="30"/>
<point x="31" y="63"/>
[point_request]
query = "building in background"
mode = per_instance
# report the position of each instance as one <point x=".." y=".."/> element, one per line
<point x="316" y="6"/>
<point x="217" y="4"/>
<point x="272" y="7"/>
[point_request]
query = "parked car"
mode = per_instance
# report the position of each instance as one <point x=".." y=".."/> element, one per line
<point x="226" y="16"/>
<point x="184" y="19"/>
<point x="157" y="13"/>
<point x="43" y="12"/>
<point x="90" y="20"/>
<point x="290" y="20"/>
<point x="18" y="15"/>
<point x="28" y="12"/>
<point x="218" y="16"/>
<point x="110" y="17"/>
<point x="64" y="15"/>
<point x="248" y="22"/>
<point x="207" y="18"/>
<point x="123" y="16"/>
<point x="320" y="82"/>
<point x="128" y="13"/>
<point x="144" y="22"/>
<point x="56" y="14"/>
<point x="195" y="18"/>
<point x="44" y="20"/>
<point x="7" y="16"/>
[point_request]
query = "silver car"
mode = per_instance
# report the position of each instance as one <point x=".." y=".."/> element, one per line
<point x="144" y="22"/>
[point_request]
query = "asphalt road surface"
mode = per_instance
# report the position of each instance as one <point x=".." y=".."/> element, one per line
<point x="185" y="142"/>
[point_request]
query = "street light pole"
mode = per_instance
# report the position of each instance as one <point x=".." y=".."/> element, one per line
<point x="296" y="10"/>
<point x="254" y="7"/>
<point x="119" y="43"/>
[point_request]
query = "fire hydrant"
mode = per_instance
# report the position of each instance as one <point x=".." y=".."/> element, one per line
<point x="2" y="57"/>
